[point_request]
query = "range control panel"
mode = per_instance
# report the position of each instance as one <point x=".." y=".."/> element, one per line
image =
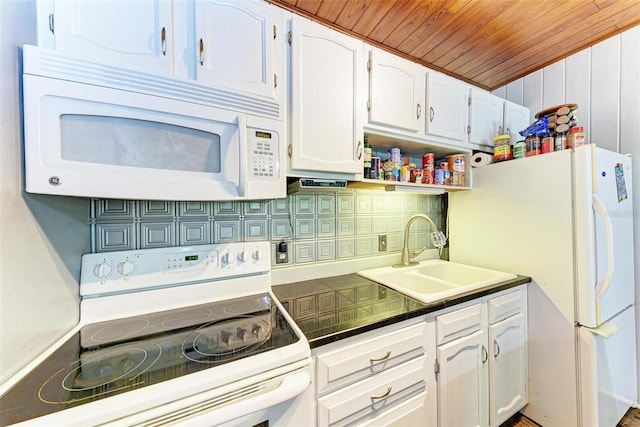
<point x="123" y="271"/>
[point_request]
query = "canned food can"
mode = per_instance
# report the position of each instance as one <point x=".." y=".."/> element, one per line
<point x="375" y="168"/>
<point x="428" y="166"/>
<point x="439" y="176"/>
<point x="404" y="174"/>
<point x="456" y="167"/>
<point x="519" y="150"/>
<point x="546" y="145"/>
<point x="560" y="142"/>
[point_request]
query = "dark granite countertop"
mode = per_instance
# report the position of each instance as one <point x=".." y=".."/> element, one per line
<point x="334" y="308"/>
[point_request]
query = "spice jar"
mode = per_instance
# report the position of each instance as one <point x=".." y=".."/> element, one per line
<point x="576" y="137"/>
<point x="501" y="148"/>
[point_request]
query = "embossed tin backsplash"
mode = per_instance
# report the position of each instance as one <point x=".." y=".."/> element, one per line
<point x="319" y="227"/>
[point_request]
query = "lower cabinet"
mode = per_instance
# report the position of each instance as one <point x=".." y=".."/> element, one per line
<point x="482" y="360"/>
<point x="380" y="378"/>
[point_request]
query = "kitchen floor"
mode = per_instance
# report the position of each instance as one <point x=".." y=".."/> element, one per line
<point x="631" y="419"/>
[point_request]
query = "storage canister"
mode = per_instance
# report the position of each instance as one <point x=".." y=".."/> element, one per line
<point x="519" y="150"/>
<point x="456" y="168"/>
<point x="576" y="137"/>
<point x="428" y="166"/>
<point x="501" y="148"/>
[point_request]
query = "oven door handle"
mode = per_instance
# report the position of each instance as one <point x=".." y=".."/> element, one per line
<point x="290" y="387"/>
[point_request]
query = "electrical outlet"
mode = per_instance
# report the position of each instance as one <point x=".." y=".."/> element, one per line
<point x="282" y="253"/>
<point x="382" y="243"/>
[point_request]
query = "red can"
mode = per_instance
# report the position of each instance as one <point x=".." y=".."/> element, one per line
<point x="546" y="145"/>
<point x="428" y="167"/>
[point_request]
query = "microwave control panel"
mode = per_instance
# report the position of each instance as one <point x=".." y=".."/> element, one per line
<point x="264" y="154"/>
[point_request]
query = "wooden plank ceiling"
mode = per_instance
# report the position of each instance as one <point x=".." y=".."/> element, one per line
<point x="488" y="43"/>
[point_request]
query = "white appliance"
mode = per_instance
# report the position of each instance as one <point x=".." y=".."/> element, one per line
<point x="171" y="336"/>
<point x="566" y="220"/>
<point x="95" y="130"/>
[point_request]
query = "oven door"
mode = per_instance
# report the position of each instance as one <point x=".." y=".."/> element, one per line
<point x="270" y="399"/>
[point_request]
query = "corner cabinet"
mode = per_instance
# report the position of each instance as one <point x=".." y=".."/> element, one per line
<point x="491" y="115"/>
<point x="326" y="84"/>
<point x="482" y="360"/>
<point x="379" y="378"/>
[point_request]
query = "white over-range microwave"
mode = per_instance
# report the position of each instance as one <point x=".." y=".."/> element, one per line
<point x="92" y="130"/>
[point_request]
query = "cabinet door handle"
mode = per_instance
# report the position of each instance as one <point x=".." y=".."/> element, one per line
<point x="380" y="359"/>
<point x="508" y="131"/>
<point x="485" y="355"/>
<point x="499" y="130"/>
<point x="359" y="150"/>
<point x="431" y="114"/>
<point x="163" y="40"/>
<point x="382" y="396"/>
<point x="496" y="349"/>
<point x="201" y="52"/>
<point x="418" y="111"/>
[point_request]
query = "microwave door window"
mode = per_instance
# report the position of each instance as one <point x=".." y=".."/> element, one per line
<point x="139" y="143"/>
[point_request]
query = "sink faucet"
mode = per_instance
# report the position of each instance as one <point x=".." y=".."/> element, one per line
<point x="437" y="238"/>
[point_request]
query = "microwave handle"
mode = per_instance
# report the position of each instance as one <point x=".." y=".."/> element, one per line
<point x="243" y="167"/>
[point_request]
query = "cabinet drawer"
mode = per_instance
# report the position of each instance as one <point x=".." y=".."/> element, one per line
<point x="459" y="323"/>
<point x="506" y="305"/>
<point x="371" y="397"/>
<point x="368" y="357"/>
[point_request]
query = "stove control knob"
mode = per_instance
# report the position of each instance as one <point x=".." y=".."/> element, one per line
<point x="242" y="256"/>
<point x="228" y="258"/>
<point x="242" y="335"/>
<point x="257" y="255"/>
<point x="225" y="337"/>
<point x="126" y="267"/>
<point x="256" y="330"/>
<point x="102" y="270"/>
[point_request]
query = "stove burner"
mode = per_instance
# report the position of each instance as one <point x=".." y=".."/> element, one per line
<point x="190" y="317"/>
<point x="119" y="330"/>
<point x="103" y="374"/>
<point x="239" y="335"/>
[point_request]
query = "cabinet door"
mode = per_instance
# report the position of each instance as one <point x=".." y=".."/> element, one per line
<point x="516" y="118"/>
<point x="135" y="34"/>
<point x="396" y="92"/>
<point x="235" y="45"/>
<point x="487" y="114"/>
<point x="326" y="79"/>
<point x="508" y="370"/>
<point x="462" y="381"/>
<point x="447" y="112"/>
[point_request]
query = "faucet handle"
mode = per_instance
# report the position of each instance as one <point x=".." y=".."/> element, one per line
<point x="438" y="239"/>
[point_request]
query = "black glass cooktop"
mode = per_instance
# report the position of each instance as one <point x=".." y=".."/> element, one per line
<point x="113" y="357"/>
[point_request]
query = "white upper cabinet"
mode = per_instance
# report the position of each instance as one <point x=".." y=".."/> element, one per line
<point x="492" y="115"/>
<point x="516" y="118"/>
<point x="137" y="34"/>
<point x="447" y="111"/>
<point x="236" y="45"/>
<point x="396" y="92"/>
<point x="487" y="115"/>
<point x="326" y="117"/>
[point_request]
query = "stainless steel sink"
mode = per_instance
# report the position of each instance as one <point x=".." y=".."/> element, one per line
<point x="433" y="280"/>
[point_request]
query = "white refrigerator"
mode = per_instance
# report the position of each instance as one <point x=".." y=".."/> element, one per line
<point x="565" y="219"/>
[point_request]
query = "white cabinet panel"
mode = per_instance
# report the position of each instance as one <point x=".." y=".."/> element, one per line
<point x="133" y="34"/>
<point x="235" y="45"/>
<point x="605" y="94"/>
<point x="629" y="101"/>
<point x="326" y="119"/>
<point x="515" y="92"/>
<point x="447" y="109"/>
<point x="396" y="92"/>
<point x="487" y="115"/>
<point x="516" y="118"/>
<point x="577" y="88"/>
<point x="533" y="91"/>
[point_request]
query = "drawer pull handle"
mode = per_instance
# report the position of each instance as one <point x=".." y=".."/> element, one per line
<point x="380" y="359"/>
<point x="382" y="396"/>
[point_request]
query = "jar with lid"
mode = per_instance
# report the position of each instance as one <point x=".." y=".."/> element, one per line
<point x="576" y="137"/>
<point x="367" y="157"/>
<point x="501" y="148"/>
<point x="533" y="145"/>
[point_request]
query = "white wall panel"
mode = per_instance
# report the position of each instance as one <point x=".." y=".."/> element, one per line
<point x="605" y="94"/>
<point x="553" y="84"/>
<point x="532" y="91"/>
<point x="501" y="92"/>
<point x="578" y="86"/>
<point x="515" y="91"/>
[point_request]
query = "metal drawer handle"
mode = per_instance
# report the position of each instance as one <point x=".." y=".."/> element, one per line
<point x="163" y="37"/>
<point x="359" y="150"/>
<point x="419" y="111"/>
<point x="382" y="396"/>
<point x="485" y="355"/>
<point x="496" y="349"/>
<point x="431" y="114"/>
<point x="380" y="359"/>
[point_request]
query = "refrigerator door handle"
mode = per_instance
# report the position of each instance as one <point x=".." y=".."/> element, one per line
<point x="602" y="285"/>
<point x="605" y="330"/>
